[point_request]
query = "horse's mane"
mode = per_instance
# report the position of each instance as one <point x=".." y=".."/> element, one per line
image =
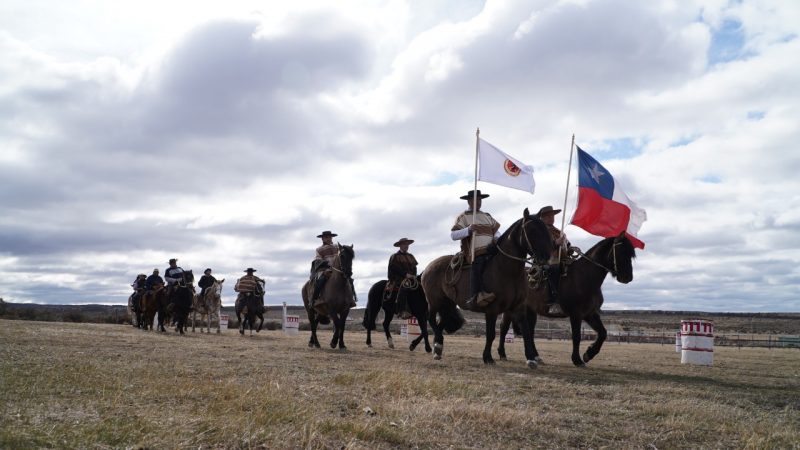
<point x="626" y="248"/>
<point x="507" y="233"/>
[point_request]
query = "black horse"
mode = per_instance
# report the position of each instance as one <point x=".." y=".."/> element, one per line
<point x="180" y="302"/>
<point x="250" y="305"/>
<point x="415" y="298"/>
<point x="580" y="295"/>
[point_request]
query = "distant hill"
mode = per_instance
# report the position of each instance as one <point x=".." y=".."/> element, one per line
<point x="628" y="320"/>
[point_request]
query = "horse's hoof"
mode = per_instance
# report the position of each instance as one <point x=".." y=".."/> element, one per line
<point x="310" y="345"/>
<point x="428" y="349"/>
<point x="538" y="360"/>
<point x="488" y="362"/>
<point x="369" y="345"/>
<point x="241" y="332"/>
<point x="317" y="346"/>
<point x="437" y="357"/>
<point x="532" y="364"/>
<point x="391" y="344"/>
<point x="579" y="364"/>
<point x="503" y="358"/>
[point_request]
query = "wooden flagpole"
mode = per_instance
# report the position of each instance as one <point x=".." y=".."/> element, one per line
<point x="566" y="192"/>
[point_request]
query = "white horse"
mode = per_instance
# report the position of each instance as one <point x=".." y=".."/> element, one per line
<point x="208" y="306"/>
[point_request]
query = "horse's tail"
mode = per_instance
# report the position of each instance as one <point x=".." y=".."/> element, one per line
<point x="452" y="319"/>
<point x="374" y="300"/>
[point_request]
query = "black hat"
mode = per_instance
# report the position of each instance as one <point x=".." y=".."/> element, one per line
<point x="172" y="260"/>
<point x="327" y="233"/>
<point x="547" y="210"/>
<point x="207" y="270"/>
<point x="471" y="194"/>
<point x="403" y="241"/>
<point x="250" y="269"/>
<point x="155" y="270"/>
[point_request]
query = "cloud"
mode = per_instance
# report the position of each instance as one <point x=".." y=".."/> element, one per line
<point x="231" y="137"/>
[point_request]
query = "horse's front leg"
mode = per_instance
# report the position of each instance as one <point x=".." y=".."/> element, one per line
<point x="597" y="325"/>
<point x="575" y="323"/>
<point x="501" y="343"/>
<point x="194" y="318"/>
<point x="491" y="322"/>
<point x="388" y="313"/>
<point x="526" y="324"/>
<point x="343" y="324"/>
<point x="335" y="338"/>
<point x="438" y="335"/>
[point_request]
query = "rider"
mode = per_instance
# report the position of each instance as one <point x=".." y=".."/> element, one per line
<point x="323" y="261"/>
<point x="138" y="286"/>
<point x="560" y="252"/>
<point x="173" y="274"/>
<point x="402" y="266"/>
<point x="250" y="284"/>
<point x="206" y="281"/>
<point x="484" y="231"/>
<point x="153" y="280"/>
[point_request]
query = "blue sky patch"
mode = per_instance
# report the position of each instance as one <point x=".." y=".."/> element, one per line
<point x="727" y="43"/>
<point x="712" y="179"/>
<point x="623" y="148"/>
<point x="755" y="115"/>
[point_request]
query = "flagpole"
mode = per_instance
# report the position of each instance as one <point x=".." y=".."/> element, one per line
<point x="566" y="192"/>
<point x="474" y="195"/>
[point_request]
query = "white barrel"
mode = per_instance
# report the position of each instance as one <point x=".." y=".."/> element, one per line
<point x="697" y="342"/>
<point x="291" y="325"/>
<point x="223" y="321"/>
<point x="412" y="329"/>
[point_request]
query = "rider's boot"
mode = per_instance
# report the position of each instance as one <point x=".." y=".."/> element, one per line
<point x="319" y="283"/>
<point x="478" y="297"/>
<point x="402" y="305"/>
<point x="553" y="307"/>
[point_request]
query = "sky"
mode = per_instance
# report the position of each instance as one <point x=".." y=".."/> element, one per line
<point x="230" y="134"/>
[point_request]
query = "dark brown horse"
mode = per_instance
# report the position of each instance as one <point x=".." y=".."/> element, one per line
<point x="334" y="302"/>
<point x="415" y="298"/>
<point x="180" y="302"/>
<point x="151" y="301"/>
<point x="580" y="295"/>
<point x="504" y="275"/>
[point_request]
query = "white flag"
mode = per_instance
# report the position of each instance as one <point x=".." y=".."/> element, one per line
<point x="499" y="168"/>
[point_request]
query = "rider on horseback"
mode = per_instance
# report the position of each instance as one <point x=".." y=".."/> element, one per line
<point x="173" y="275"/>
<point x="138" y="286"/>
<point x="560" y="253"/>
<point x="153" y="280"/>
<point x="206" y="281"/>
<point x="250" y="285"/>
<point x="323" y="262"/>
<point x="402" y="266"/>
<point x="484" y="231"/>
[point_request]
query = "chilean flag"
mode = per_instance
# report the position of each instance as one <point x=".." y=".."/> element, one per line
<point x="603" y="208"/>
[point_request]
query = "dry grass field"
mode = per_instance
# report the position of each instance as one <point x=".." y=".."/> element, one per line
<point x="111" y="386"/>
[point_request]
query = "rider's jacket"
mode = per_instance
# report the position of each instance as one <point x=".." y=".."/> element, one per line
<point x="173" y="274"/>
<point x="400" y="264"/>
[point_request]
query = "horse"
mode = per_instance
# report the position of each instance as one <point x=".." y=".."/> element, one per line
<point x="208" y="305"/>
<point x="180" y="302"/>
<point x="415" y="297"/>
<point x="152" y="302"/>
<point x="580" y="295"/>
<point x="335" y="300"/>
<point x="250" y="305"/>
<point x="504" y="275"/>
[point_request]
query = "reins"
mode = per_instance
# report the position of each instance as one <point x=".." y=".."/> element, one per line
<point x="613" y="253"/>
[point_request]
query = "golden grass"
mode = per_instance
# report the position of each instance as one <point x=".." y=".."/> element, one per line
<point x="111" y="386"/>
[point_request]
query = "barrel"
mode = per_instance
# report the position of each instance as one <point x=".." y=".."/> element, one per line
<point x="697" y="342"/>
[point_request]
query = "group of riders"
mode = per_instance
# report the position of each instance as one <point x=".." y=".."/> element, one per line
<point x="471" y="224"/>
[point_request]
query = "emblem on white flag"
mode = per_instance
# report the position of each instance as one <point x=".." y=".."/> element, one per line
<point x="498" y="167"/>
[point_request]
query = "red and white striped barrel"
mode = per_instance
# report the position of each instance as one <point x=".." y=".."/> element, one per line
<point x="412" y="329"/>
<point x="697" y="342"/>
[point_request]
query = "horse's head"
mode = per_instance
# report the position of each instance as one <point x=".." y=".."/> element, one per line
<point x="188" y="277"/>
<point x="620" y="255"/>
<point x="536" y="237"/>
<point x="346" y="255"/>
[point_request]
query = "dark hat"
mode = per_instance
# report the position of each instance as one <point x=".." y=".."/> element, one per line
<point x="141" y="275"/>
<point x="172" y="260"/>
<point x="207" y="270"/>
<point x="403" y="241"/>
<point x="471" y="194"/>
<point x="327" y="233"/>
<point x="155" y="270"/>
<point x="547" y="210"/>
<point x="250" y="269"/>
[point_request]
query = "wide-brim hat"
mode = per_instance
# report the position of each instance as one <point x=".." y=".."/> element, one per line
<point x="547" y="210"/>
<point x="403" y="241"/>
<point x="172" y="260"/>
<point x="155" y="270"/>
<point x="250" y="269"/>
<point x="207" y="270"/>
<point x="471" y="195"/>
<point x="327" y="233"/>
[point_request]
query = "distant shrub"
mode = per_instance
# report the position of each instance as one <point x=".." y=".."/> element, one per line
<point x="73" y="316"/>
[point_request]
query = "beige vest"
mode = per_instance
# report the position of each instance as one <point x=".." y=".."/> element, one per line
<point x="483" y="236"/>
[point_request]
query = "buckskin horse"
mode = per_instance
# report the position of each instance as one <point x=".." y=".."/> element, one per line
<point x="504" y="275"/>
<point x="334" y="302"/>
<point x="208" y="305"/>
<point x="580" y="295"/>
<point x="415" y="298"/>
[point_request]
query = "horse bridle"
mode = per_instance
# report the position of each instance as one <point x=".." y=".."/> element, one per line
<point x="613" y="253"/>
<point x="339" y="259"/>
<point x="528" y="260"/>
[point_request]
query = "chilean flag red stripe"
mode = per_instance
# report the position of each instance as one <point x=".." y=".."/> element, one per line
<point x="603" y="208"/>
